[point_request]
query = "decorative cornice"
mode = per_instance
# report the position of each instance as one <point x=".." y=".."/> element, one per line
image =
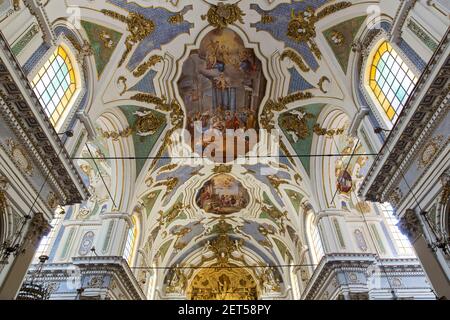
<point x="352" y="264"/>
<point x="336" y="261"/>
<point x="89" y="268"/>
<point x="42" y="143"/>
<point x="114" y="264"/>
<point x="37" y="9"/>
<point x="400" y="18"/>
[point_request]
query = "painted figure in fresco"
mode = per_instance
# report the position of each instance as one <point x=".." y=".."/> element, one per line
<point x="222" y="86"/>
<point x="223" y="194"/>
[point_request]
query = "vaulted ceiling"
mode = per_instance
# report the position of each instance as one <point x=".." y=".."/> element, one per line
<point x="161" y="65"/>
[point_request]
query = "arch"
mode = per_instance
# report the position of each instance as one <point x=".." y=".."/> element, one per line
<point x="269" y="279"/>
<point x="372" y="36"/>
<point x="104" y="170"/>
<point x="331" y="118"/>
<point x="113" y="120"/>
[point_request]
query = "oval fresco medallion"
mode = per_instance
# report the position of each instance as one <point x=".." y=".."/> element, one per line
<point x="222" y="194"/>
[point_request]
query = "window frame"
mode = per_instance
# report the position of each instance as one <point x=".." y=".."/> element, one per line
<point x="80" y="84"/>
<point x="134" y="228"/>
<point x="46" y="243"/>
<point x="317" y="253"/>
<point x="369" y="55"/>
<point x="398" y="238"/>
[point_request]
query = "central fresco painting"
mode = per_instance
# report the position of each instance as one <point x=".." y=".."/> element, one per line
<point x="222" y="86"/>
<point x="223" y="194"/>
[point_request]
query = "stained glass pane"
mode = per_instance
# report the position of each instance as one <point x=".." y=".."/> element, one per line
<point x="391" y="80"/>
<point x="55" y="81"/>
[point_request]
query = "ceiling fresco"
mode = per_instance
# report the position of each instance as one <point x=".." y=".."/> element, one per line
<point x="223" y="194"/>
<point x="222" y="85"/>
<point x="232" y="65"/>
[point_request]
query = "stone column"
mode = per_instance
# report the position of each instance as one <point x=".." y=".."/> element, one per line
<point x="113" y="234"/>
<point x="410" y="225"/>
<point x="38" y="227"/>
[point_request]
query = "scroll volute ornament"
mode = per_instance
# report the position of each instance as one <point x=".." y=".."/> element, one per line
<point x="410" y="224"/>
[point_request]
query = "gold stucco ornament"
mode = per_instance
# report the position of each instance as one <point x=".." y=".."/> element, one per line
<point x="297" y="59"/>
<point x="301" y="27"/>
<point x="147" y="123"/>
<point x="221" y="15"/>
<point x="139" y="27"/>
<point x="142" y="69"/>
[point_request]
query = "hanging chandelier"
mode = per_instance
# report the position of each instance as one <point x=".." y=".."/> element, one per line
<point x="35" y="291"/>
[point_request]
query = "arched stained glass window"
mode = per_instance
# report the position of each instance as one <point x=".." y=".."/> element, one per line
<point x="390" y="80"/>
<point x="55" y="84"/>
<point x="131" y="242"/>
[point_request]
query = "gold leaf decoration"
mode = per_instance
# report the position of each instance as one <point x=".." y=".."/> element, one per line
<point x="267" y="19"/>
<point x="332" y="9"/>
<point x="153" y="60"/>
<point x="276" y="182"/>
<point x="176" y="19"/>
<point x="327" y="132"/>
<point x="170" y="185"/>
<point x="147" y="123"/>
<point x="301" y="27"/>
<point x="176" y="117"/>
<point x="296" y="123"/>
<point x="297" y="59"/>
<point x="320" y="83"/>
<point x="271" y="107"/>
<point x="139" y="27"/>
<point x="268" y="114"/>
<point x="222" y="169"/>
<point x="221" y="15"/>
<point x="168" y="167"/>
<point x="115" y="135"/>
<point x="123" y="80"/>
<point x="295" y="97"/>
